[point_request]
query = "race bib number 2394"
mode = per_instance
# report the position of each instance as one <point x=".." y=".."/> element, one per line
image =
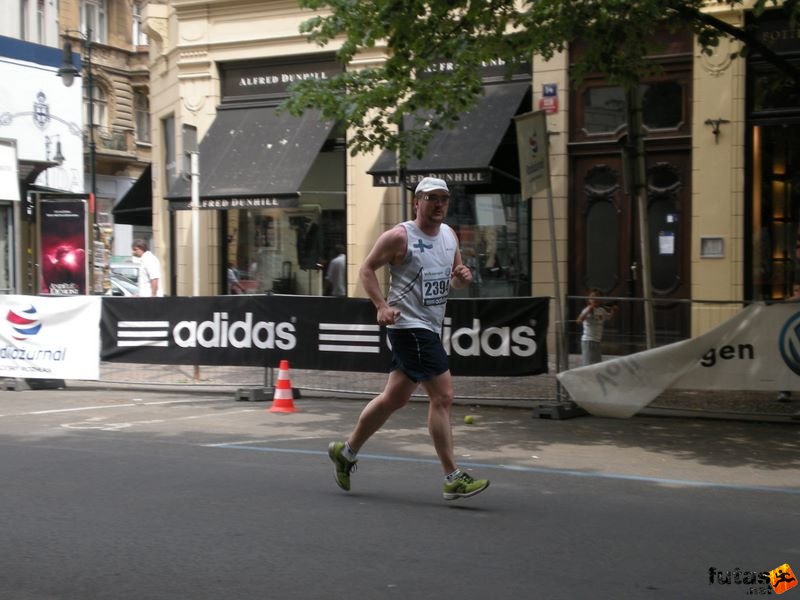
<point x="435" y="287"/>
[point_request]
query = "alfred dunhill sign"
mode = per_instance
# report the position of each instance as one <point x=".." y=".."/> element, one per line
<point x="241" y="202"/>
<point x="244" y="202"/>
<point x="249" y="80"/>
<point x="777" y="33"/>
<point x="490" y="69"/>
<point x="475" y="177"/>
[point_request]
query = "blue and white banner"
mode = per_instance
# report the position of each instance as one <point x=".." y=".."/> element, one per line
<point x="758" y="349"/>
<point x="50" y="338"/>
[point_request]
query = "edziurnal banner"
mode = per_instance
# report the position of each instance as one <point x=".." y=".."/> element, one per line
<point x="50" y="338"/>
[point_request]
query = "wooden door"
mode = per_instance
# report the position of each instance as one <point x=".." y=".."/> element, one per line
<point x="605" y="247"/>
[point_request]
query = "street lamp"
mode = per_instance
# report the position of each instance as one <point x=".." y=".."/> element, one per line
<point x="68" y="71"/>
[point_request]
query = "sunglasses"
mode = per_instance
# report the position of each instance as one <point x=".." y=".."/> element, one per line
<point x="443" y="198"/>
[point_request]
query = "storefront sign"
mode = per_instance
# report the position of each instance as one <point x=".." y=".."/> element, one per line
<point x="452" y="178"/>
<point x="272" y="78"/>
<point x="489" y="69"/>
<point x="241" y="202"/>
<point x="777" y="33"/>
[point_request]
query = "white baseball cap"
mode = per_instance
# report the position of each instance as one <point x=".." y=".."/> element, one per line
<point x="428" y="184"/>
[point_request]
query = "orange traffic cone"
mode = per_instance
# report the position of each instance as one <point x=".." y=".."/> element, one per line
<point x="283" y="399"/>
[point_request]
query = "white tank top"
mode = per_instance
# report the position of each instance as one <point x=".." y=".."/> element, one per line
<point x="421" y="283"/>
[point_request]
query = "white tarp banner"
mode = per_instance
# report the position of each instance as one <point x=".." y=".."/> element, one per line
<point x="758" y="349"/>
<point x="50" y="338"/>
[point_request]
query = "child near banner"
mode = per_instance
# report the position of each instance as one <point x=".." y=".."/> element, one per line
<point x="593" y="317"/>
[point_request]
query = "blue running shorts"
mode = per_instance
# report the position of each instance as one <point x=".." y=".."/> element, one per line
<point x="419" y="353"/>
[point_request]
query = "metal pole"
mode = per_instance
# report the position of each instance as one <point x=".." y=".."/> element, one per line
<point x="401" y="173"/>
<point x="92" y="145"/>
<point x="93" y="236"/>
<point x="195" y="178"/>
<point x="561" y="346"/>
<point x="639" y="180"/>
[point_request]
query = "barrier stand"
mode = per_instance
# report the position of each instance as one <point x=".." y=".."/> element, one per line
<point x="263" y="393"/>
<point x="562" y="407"/>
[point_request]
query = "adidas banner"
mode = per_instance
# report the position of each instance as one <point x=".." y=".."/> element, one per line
<point x="504" y="337"/>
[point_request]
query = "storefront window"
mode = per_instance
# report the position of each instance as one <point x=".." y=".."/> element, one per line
<point x="663" y="220"/>
<point x="287" y="250"/>
<point x="6" y="250"/>
<point x="493" y="230"/>
<point x="775" y="209"/>
<point x="283" y="251"/>
<point x="602" y="224"/>
<point x="604" y="107"/>
<point x="774" y="91"/>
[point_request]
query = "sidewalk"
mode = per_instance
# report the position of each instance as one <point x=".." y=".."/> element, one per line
<point x="518" y="392"/>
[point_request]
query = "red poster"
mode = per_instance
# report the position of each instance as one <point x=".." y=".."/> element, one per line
<point x="63" y="260"/>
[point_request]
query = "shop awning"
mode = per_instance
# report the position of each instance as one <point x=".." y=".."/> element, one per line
<point x="463" y="154"/>
<point x="136" y="206"/>
<point x="29" y="170"/>
<point x="254" y="158"/>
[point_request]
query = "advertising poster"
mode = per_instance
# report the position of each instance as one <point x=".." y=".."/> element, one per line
<point x="50" y="338"/>
<point x="63" y="237"/>
<point x="534" y="161"/>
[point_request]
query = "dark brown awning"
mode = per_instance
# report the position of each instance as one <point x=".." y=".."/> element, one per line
<point x="464" y="154"/>
<point x="254" y="157"/>
<point x="136" y="206"/>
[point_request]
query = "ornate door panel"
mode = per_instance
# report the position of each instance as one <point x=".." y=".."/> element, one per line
<point x="605" y="252"/>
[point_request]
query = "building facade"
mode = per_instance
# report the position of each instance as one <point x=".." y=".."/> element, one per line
<point x="40" y="135"/>
<point x="721" y="172"/>
<point x="46" y="124"/>
<point x="121" y="113"/>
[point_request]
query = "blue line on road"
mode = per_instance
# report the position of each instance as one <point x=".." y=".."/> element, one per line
<point x="542" y="470"/>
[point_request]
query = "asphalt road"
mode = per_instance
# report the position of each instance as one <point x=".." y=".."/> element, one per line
<point x="119" y="495"/>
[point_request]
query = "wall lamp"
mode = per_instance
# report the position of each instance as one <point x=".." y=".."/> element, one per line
<point x="715" y="124"/>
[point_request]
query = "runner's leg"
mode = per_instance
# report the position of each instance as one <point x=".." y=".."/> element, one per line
<point x="440" y="392"/>
<point x="395" y="395"/>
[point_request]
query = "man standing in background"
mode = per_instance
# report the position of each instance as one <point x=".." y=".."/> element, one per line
<point x="336" y="273"/>
<point x="150" y="271"/>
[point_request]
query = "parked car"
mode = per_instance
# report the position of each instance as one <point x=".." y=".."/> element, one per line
<point x="128" y="270"/>
<point x="121" y="286"/>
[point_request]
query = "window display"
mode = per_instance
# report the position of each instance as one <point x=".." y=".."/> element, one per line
<point x="494" y="231"/>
